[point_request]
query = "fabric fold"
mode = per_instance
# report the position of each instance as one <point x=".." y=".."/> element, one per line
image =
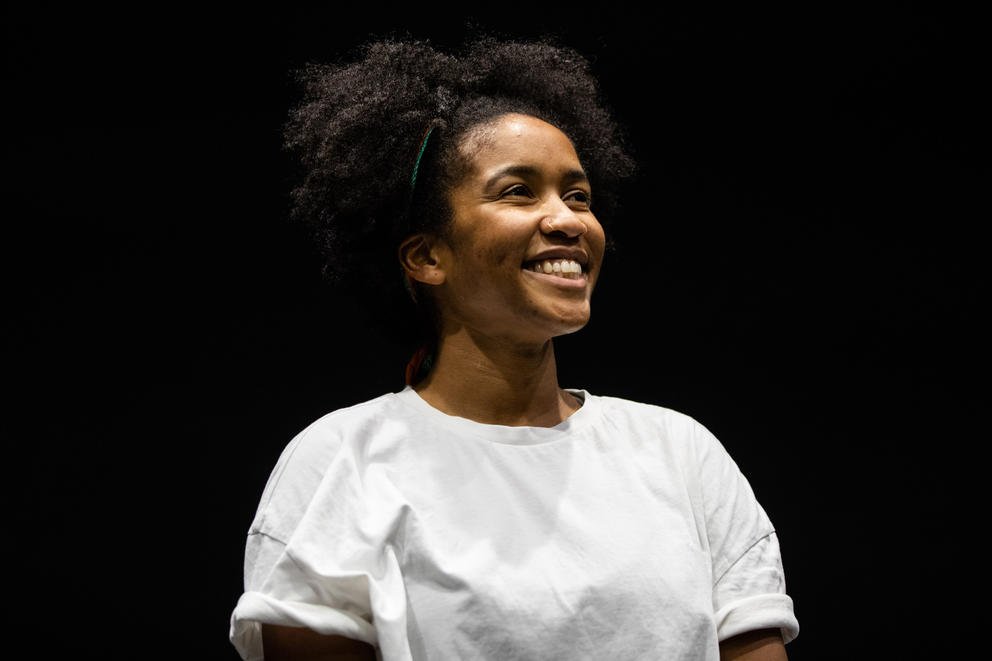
<point x="255" y="608"/>
<point x="763" y="611"/>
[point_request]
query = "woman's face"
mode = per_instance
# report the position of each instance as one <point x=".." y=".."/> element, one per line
<point x="521" y="228"/>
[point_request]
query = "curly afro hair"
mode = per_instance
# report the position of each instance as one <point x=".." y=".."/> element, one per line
<point x="361" y="125"/>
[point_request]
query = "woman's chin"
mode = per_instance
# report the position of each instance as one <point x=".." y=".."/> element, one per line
<point x="572" y="322"/>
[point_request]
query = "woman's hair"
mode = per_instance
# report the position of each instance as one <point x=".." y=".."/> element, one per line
<point x="361" y="125"/>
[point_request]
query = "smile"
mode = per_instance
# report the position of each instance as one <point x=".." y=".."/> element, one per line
<point x="560" y="272"/>
<point x="562" y="268"/>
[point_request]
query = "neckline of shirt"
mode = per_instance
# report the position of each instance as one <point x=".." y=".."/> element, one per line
<point x="505" y="434"/>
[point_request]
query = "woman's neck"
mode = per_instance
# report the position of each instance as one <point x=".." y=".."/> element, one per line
<point x="496" y="382"/>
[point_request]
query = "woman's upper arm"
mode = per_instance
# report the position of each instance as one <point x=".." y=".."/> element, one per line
<point x="761" y="645"/>
<point x="298" y="644"/>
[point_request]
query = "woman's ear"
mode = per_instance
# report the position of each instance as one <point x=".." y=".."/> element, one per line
<point x="419" y="256"/>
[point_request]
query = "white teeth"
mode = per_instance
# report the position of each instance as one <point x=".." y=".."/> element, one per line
<point x="566" y="268"/>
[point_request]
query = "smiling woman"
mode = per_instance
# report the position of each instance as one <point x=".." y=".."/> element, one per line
<point x="523" y="203"/>
<point x="484" y="511"/>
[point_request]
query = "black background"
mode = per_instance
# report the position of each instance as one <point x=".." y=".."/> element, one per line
<point x="799" y="268"/>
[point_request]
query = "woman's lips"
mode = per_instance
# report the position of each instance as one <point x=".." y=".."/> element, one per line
<point x="561" y="272"/>
<point x="566" y="268"/>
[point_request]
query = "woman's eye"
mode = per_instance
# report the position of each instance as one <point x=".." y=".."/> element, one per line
<point x="517" y="190"/>
<point x="581" y="197"/>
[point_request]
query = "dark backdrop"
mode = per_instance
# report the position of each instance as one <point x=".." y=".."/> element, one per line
<point x="798" y="269"/>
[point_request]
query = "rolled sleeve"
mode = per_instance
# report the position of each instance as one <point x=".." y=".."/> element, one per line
<point x="750" y="595"/>
<point x="257" y="608"/>
<point x="290" y="597"/>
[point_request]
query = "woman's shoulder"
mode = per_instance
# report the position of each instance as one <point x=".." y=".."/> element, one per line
<point x="322" y="436"/>
<point x="645" y="412"/>
<point x="306" y="458"/>
<point x="352" y="414"/>
<point x="651" y="422"/>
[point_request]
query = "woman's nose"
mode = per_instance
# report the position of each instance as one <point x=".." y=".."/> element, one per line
<point x="564" y="222"/>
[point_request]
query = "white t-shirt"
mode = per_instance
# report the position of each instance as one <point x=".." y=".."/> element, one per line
<point x="626" y="531"/>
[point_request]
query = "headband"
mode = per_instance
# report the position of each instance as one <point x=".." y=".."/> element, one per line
<point x="416" y="165"/>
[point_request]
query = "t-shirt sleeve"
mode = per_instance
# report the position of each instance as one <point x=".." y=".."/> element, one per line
<point x="307" y="560"/>
<point x="748" y="578"/>
<point x="751" y="594"/>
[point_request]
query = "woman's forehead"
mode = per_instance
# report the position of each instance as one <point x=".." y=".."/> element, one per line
<point x="519" y="140"/>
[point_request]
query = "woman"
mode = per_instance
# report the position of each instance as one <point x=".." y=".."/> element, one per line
<point x="485" y="512"/>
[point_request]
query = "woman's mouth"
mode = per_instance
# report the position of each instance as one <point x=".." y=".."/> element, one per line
<point x="562" y="268"/>
<point x="562" y="273"/>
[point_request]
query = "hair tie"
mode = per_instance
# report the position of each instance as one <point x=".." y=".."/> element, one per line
<point x="421" y="361"/>
<point x="416" y="165"/>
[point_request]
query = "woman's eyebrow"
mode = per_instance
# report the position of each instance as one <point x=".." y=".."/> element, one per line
<point x="524" y="171"/>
